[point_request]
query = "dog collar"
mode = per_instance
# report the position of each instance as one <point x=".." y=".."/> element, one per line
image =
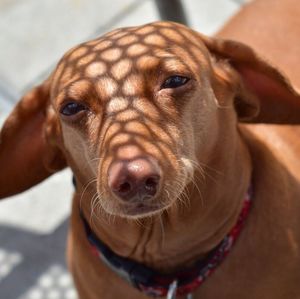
<point x="182" y="282"/>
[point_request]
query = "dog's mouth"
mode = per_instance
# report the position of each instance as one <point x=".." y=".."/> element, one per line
<point x="140" y="209"/>
<point x="136" y="208"/>
<point x="142" y="190"/>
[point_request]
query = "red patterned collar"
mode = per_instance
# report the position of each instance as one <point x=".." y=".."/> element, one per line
<point x="183" y="282"/>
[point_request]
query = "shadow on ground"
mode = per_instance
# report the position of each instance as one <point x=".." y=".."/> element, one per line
<point x="22" y="265"/>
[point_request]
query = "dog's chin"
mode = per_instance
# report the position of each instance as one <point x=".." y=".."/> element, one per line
<point x="135" y="209"/>
<point x="141" y="210"/>
<point x="149" y="207"/>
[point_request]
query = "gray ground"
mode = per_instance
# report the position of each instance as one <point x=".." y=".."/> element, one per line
<point x="34" y="35"/>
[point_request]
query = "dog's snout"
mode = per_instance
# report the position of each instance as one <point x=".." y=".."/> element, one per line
<point x="138" y="179"/>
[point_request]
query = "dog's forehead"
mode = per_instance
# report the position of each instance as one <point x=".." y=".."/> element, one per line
<point x="125" y="51"/>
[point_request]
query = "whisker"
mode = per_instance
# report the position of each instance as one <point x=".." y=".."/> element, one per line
<point x="162" y="230"/>
<point x="199" y="191"/>
<point x="84" y="190"/>
<point x="93" y="203"/>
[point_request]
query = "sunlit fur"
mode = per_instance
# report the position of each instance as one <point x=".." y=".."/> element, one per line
<point x="119" y="78"/>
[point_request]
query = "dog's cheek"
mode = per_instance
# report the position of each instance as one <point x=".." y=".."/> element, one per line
<point x="205" y="123"/>
<point x="81" y="150"/>
<point x="55" y="160"/>
<point x="192" y="122"/>
<point x="183" y="151"/>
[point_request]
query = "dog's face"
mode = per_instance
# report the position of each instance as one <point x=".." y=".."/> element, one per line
<point x="137" y="112"/>
<point x="135" y="107"/>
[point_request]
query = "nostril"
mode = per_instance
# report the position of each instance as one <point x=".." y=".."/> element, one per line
<point x="134" y="180"/>
<point x="124" y="188"/>
<point x="151" y="185"/>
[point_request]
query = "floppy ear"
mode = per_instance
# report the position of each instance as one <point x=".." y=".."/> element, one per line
<point x="279" y="101"/>
<point x="26" y="157"/>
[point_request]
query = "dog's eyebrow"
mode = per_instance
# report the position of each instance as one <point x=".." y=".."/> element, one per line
<point x="170" y="60"/>
<point x="174" y="64"/>
<point x="77" y="90"/>
<point x="167" y="55"/>
<point x="164" y="54"/>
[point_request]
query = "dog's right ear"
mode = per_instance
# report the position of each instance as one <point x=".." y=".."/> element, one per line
<point x="278" y="100"/>
<point x="28" y="151"/>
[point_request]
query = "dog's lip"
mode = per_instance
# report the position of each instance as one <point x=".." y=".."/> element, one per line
<point x="141" y="209"/>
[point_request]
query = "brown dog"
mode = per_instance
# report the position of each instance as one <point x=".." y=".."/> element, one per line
<point x="148" y="120"/>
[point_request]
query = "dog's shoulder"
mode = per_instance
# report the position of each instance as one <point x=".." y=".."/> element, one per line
<point x="275" y="154"/>
<point x="276" y="145"/>
<point x="274" y="221"/>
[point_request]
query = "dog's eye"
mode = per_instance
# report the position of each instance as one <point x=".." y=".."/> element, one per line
<point x="175" y="81"/>
<point x="72" y="108"/>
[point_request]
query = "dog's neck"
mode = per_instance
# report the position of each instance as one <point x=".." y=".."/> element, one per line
<point x="188" y="231"/>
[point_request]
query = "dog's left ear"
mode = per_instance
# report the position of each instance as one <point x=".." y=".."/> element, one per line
<point x="29" y="152"/>
<point x="279" y="101"/>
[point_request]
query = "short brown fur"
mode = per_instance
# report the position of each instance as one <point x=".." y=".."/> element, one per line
<point x="208" y="159"/>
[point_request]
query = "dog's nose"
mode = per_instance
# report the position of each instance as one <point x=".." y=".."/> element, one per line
<point x="138" y="179"/>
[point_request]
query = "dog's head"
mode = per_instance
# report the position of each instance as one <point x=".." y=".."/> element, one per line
<point x="135" y="112"/>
